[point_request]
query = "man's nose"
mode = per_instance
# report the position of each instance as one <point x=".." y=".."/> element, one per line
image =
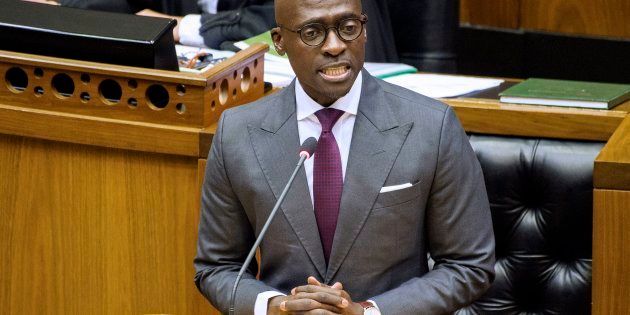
<point x="333" y="45"/>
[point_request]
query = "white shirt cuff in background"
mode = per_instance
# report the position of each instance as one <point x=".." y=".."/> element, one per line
<point x="189" y="31"/>
<point x="262" y="300"/>
<point x="378" y="310"/>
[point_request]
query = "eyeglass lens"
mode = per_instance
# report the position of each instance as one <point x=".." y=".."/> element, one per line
<point x="315" y="34"/>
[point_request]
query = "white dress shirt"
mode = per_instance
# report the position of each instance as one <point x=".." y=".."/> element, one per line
<point x="191" y="23"/>
<point x="189" y="31"/>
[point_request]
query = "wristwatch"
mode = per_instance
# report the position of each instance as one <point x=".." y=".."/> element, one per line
<point x="369" y="308"/>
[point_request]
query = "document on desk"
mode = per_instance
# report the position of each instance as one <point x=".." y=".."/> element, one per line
<point x="186" y="53"/>
<point x="441" y="85"/>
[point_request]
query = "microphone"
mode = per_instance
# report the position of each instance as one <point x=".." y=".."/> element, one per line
<point x="306" y="151"/>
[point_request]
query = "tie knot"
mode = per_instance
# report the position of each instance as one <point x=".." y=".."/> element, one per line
<point x="328" y="117"/>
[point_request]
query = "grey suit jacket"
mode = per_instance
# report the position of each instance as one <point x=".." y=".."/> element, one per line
<point x="382" y="239"/>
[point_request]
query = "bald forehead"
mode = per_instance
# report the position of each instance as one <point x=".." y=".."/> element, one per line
<point x="290" y="10"/>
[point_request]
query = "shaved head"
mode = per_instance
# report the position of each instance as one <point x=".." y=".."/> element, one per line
<point x="284" y="8"/>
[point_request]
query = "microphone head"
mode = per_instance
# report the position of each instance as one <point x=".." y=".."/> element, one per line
<point x="308" y="147"/>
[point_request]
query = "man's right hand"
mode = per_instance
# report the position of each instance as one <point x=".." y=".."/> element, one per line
<point x="325" y="303"/>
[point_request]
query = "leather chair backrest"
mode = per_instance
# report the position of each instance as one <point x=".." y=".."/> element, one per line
<point x="540" y="194"/>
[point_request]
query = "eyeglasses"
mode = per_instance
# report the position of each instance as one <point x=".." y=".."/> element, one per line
<point x="314" y="34"/>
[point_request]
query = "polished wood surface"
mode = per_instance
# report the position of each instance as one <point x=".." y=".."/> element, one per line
<point x="195" y="102"/>
<point x="91" y="230"/>
<point x="130" y="93"/>
<point x="612" y="166"/>
<point x="577" y="17"/>
<point x="611" y="250"/>
<point x="104" y="132"/>
<point x="494" y="117"/>
<point x="497" y="13"/>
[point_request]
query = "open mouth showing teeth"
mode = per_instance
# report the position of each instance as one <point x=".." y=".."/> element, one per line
<point x="336" y="71"/>
<point x="335" y="74"/>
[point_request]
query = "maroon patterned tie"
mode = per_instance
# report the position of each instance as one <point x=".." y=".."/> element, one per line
<point x="327" y="179"/>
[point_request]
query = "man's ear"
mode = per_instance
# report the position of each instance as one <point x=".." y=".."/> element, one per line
<point x="278" y="42"/>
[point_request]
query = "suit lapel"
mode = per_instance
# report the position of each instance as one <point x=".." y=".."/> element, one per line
<point x="376" y="140"/>
<point x="276" y="144"/>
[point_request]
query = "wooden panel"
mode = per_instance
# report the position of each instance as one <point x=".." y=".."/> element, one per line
<point x="102" y="131"/>
<point x="611" y="249"/>
<point x="496" y="13"/>
<point x="87" y="230"/>
<point x="130" y="93"/>
<point x="612" y="166"/>
<point x="589" y="17"/>
<point x="493" y="117"/>
<point x="133" y="102"/>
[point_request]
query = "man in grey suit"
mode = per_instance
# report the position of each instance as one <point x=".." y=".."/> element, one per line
<point x="393" y="180"/>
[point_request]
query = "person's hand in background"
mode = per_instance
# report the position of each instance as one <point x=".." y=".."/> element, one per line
<point x="149" y="12"/>
<point x="44" y="1"/>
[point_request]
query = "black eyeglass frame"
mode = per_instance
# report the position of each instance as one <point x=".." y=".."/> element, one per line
<point x="363" y="19"/>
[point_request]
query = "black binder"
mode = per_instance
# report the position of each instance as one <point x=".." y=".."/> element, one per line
<point x="115" y="38"/>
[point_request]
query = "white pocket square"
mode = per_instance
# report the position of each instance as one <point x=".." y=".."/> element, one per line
<point x="385" y="189"/>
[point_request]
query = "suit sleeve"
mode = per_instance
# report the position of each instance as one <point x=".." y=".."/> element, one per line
<point x="459" y="232"/>
<point x="225" y="238"/>
<point x="237" y="24"/>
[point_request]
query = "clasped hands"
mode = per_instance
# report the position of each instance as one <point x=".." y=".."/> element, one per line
<point x="315" y="298"/>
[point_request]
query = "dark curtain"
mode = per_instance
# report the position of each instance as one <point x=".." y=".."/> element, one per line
<point x="380" y="46"/>
<point x="425" y="33"/>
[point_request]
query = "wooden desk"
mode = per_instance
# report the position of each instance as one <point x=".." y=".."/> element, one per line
<point x="99" y="215"/>
<point x="99" y="201"/>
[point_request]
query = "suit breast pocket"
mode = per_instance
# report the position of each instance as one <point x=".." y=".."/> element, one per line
<point x="396" y="197"/>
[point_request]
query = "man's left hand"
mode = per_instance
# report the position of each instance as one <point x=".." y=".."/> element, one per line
<point x="336" y="289"/>
<point x="149" y="12"/>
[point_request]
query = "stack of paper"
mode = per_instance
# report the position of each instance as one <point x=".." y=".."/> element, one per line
<point x="440" y="85"/>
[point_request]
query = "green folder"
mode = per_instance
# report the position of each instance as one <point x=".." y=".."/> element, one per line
<point x="264" y="38"/>
<point x="567" y="93"/>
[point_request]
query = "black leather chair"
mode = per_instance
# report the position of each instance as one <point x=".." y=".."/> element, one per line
<point x="540" y="194"/>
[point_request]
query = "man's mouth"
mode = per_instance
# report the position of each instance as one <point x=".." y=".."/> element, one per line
<point x="337" y="73"/>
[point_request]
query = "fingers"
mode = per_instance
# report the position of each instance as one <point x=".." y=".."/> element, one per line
<point x="316" y="298"/>
<point x="149" y="12"/>
<point x="304" y="302"/>
<point x="320" y="312"/>
<point x="311" y="288"/>
<point x="322" y="294"/>
<point x="312" y="280"/>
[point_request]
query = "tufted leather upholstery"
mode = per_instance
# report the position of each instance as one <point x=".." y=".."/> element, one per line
<point x="540" y="195"/>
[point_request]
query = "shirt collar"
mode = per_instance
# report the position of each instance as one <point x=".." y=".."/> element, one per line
<point x="348" y="103"/>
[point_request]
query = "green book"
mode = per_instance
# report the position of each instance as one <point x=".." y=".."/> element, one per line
<point x="264" y="38"/>
<point x="566" y="93"/>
